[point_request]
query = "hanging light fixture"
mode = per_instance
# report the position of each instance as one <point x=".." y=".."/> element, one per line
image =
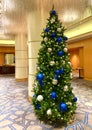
<point x="70" y="16"/>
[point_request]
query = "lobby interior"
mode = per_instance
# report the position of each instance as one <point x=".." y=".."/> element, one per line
<point x="21" y="24"/>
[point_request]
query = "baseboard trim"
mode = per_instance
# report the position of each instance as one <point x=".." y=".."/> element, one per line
<point x="22" y="80"/>
<point x="30" y="99"/>
<point x="88" y="79"/>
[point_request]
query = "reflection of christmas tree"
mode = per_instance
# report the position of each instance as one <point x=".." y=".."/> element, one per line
<point x="53" y="99"/>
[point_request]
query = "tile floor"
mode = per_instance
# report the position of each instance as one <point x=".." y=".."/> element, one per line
<point x="16" y="113"/>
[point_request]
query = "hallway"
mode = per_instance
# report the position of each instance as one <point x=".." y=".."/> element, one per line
<point x="16" y="113"/>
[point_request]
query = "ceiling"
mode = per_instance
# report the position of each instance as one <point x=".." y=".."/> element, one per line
<point x="13" y="13"/>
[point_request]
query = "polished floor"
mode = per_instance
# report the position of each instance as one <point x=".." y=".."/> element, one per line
<point x="16" y="113"/>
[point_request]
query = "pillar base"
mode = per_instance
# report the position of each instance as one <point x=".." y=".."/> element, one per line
<point x="30" y="99"/>
<point x="22" y="80"/>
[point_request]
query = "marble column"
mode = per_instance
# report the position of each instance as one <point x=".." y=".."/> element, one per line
<point x="21" y="58"/>
<point x="34" y="40"/>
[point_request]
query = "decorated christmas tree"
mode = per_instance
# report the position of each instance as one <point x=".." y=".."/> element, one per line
<point x="53" y="99"/>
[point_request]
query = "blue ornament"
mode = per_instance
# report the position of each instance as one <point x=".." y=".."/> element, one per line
<point x="53" y="35"/>
<point x="59" y="39"/>
<point x="40" y="76"/>
<point x="34" y="95"/>
<point x="60" y="53"/>
<point x="63" y="107"/>
<point x="62" y="71"/>
<point x="53" y="95"/>
<point x="65" y="38"/>
<point x="56" y="77"/>
<point x="47" y="30"/>
<point x="57" y="72"/>
<point x="38" y="106"/>
<point x="75" y="99"/>
<point x="41" y="83"/>
<point x="53" y="12"/>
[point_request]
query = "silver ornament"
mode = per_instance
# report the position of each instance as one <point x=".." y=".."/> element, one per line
<point x="63" y="62"/>
<point x="49" y="112"/>
<point x="69" y="103"/>
<point x="65" y="88"/>
<point x="59" y="29"/>
<point x="71" y="75"/>
<point x="52" y="63"/>
<point x="45" y="39"/>
<point x="39" y="98"/>
<point x="54" y="81"/>
<point x="65" y="49"/>
<point x="52" y="20"/>
<point x="49" y="49"/>
<point x="69" y="63"/>
<point x="61" y="118"/>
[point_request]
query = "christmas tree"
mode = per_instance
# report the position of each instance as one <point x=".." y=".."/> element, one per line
<point x="53" y="99"/>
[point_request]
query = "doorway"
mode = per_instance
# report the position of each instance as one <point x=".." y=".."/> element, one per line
<point x="77" y="61"/>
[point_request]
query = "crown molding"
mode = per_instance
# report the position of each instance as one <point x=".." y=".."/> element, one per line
<point x="80" y="37"/>
<point x="79" y="23"/>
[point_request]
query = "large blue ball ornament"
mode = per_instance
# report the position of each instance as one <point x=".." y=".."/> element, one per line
<point x="57" y="72"/>
<point x="41" y="83"/>
<point x="60" y="53"/>
<point x="53" y="35"/>
<point x="63" y="107"/>
<point x="34" y="95"/>
<point x="47" y="30"/>
<point x="59" y="39"/>
<point x="53" y="12"/>
<point x="40" y="76"/>
<point x="53" y="95"/>
<point x="56" y="77"/>
<point x="38" y="106"/>
<point x="65" y="38"/>
<point x="75" y="99"/>
<point x="62" y="71"/>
